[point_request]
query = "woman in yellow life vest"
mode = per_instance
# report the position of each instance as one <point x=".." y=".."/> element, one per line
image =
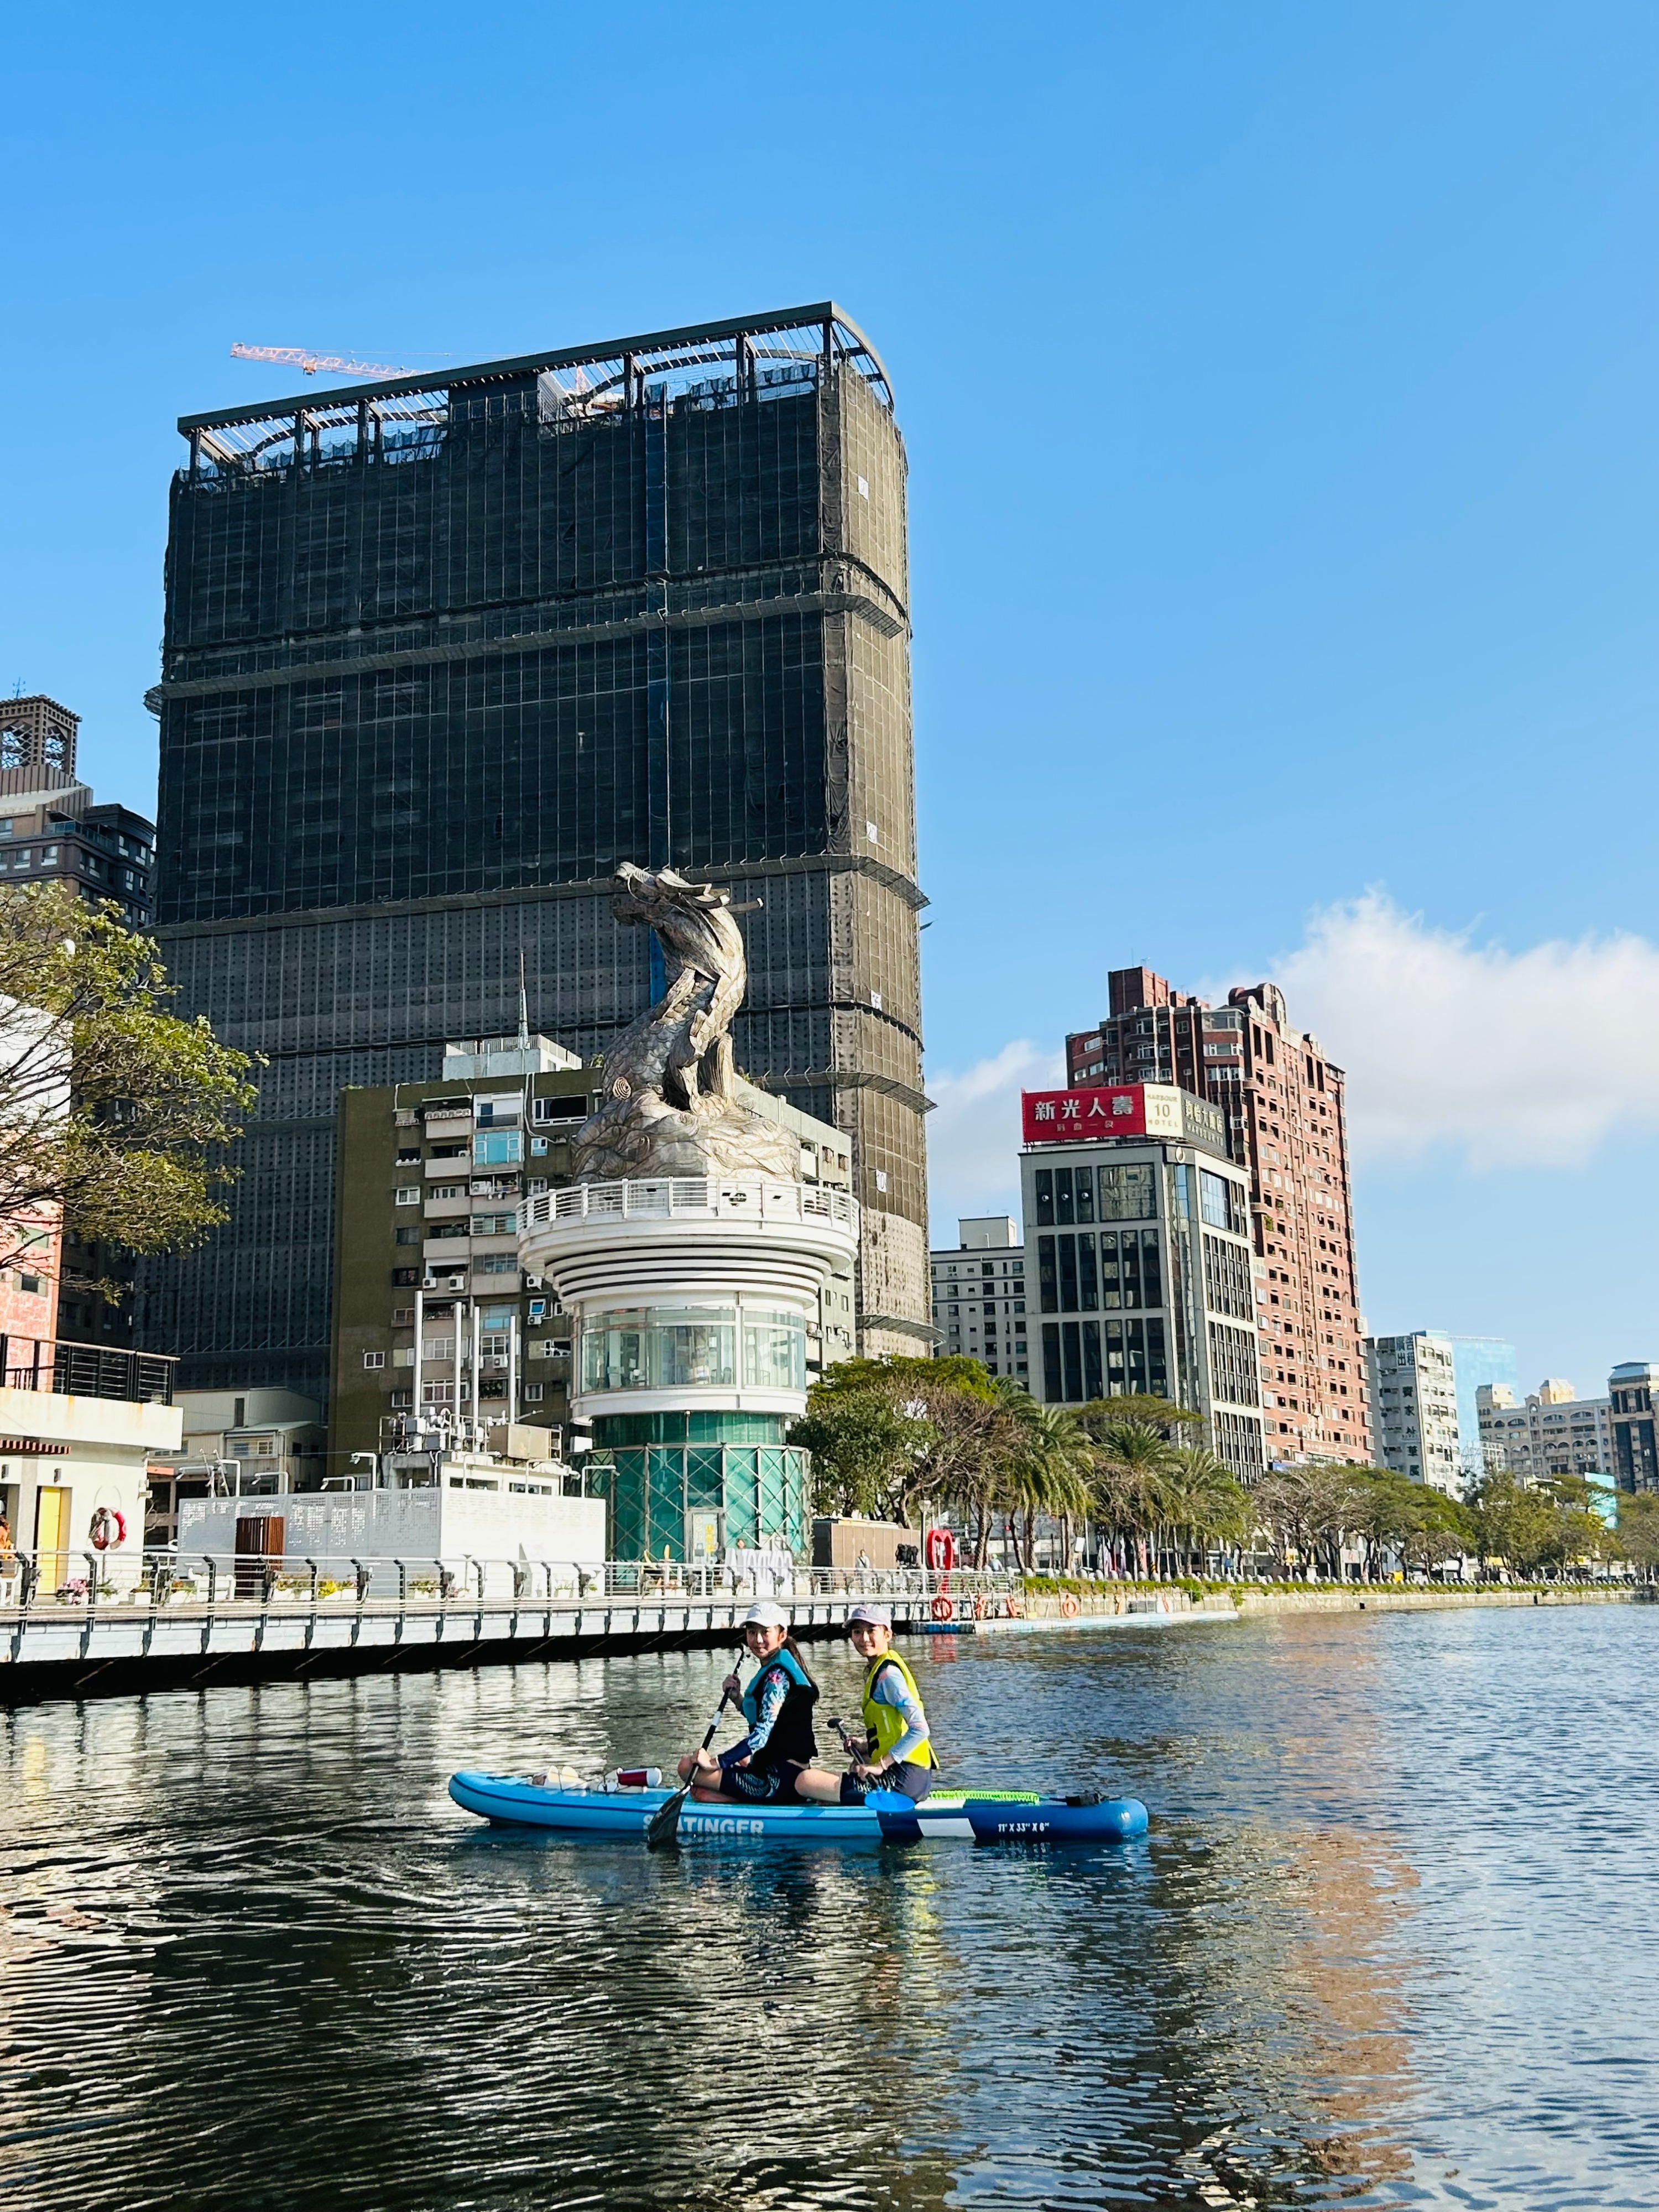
<point x="896" y="1752"/>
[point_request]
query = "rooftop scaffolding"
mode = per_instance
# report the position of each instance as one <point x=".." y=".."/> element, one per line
<point x="404" y="415"/>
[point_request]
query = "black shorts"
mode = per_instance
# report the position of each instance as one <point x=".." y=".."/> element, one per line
<point x="774" y="1785"/>
<point x="910" y="1781"/>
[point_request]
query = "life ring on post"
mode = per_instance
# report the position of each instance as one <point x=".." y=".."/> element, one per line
<point x="1013" y="1608"/>
<point x="1068" y="1606"/>
<point x="939" y="1550"/>
<point x="979" y="1607"/>
<point x="108" y="1527"/>
<point x="944" y="1608"/>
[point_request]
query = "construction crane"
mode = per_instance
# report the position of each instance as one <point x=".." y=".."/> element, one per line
<point x="335" y="364"/>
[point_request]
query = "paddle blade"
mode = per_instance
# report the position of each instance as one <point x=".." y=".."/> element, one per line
<point x="663" y="1831"/>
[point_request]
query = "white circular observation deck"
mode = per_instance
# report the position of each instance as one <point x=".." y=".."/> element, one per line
<point x="689" y="1292"/>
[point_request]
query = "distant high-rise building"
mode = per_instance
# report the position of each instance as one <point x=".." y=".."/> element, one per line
<point x="1284" y="1104"/>
<point x="1478" y="1363"/>
<point x="1414" y="1407"/>
<point x="49" y="825"/>
<point x="1554" y="1432"/>
<point x="1631" y="1389"/>
<point x="440" y="653"/>
<point x="1137" y="1252"/>
<point x="979" y="1295"/>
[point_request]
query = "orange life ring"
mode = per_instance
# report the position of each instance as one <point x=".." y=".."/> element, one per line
<point x="979" y="1607"/>
<point x="108" y="1527"/>
<point x="1014" y="1607"/>
<point x="944" y="1608"/>
<point x="1068" y="1606"/>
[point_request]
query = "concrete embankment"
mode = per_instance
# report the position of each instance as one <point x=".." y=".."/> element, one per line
<point x="1418" y="1600"/>
<point x="1138" y="1607"/>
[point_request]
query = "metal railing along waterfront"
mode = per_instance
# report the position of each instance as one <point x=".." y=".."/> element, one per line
<point x="694" y="1197"/>
<point x="55" y="1581"/>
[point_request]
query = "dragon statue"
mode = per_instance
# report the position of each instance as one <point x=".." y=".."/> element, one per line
<point x="671" y="1105"/>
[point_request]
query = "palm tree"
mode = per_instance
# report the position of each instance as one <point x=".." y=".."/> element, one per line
<point x="1132" y="1462"/>
<point x="1204" y="1500"/>
<point x="1046" y="1471"/>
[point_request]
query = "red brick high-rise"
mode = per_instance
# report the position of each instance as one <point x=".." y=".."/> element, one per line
<point x="1285" y="1121"/>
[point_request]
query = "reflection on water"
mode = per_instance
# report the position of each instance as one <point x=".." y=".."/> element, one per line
<point x="1385" y="1946"/>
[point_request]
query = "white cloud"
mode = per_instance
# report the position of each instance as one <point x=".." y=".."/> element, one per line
<point x="1530" y="1058"/>
<point x="974" y="1136"/>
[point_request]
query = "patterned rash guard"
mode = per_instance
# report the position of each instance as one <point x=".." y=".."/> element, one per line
<point x="773" y="1689"/>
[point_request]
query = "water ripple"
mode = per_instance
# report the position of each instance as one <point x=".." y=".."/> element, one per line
<point x="1385" y="1947"/>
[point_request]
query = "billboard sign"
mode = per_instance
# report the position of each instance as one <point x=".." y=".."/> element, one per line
<point x="1128" y="1109"/>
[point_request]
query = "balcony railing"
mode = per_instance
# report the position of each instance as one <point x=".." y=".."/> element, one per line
<point x="88" y="1370"/>
<point x="691" y="1196"/>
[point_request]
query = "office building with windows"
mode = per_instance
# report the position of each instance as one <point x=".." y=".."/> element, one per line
<point x="979" y="1296"/>
<point x="440" y="653"/>
<point x="1137" y="1250"/>
<point x="435" y="1316"/>
<point x="1414" y="1388"/>
<point x="1479" y="1362"/>
<point x="50" y="826"/>
<point x="1631" y="1389"/>
<point x="1554" y="1432"/>
<point x="1285" y="1106"/>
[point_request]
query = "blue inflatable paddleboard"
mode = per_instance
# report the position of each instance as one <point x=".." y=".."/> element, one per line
<point x="885" y="1816"/>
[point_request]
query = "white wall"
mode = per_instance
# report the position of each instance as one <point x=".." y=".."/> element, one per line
<point x="419" y="1527"/>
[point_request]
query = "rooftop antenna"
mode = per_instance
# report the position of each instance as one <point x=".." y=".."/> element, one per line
<point x="523" y="1008"/>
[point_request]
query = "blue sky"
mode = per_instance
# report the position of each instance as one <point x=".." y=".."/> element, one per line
<point x="1278" y="385"/>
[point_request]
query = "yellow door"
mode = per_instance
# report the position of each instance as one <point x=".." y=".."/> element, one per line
<point x="51" y="1537"/>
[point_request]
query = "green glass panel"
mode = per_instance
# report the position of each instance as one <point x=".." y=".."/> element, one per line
<point x="798" y="1474"/>
<point x="628" y="1521"/>
<point x="667" y="1511"/>
<point x="620" y="1429"/>
<point x="705" y="1476"/>
<point x="742" y="1526"/>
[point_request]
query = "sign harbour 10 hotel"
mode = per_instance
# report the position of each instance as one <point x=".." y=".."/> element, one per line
<point x="1139" y="1252"/>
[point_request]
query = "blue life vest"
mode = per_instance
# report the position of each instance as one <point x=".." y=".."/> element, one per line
<point x="792" y="1737"/>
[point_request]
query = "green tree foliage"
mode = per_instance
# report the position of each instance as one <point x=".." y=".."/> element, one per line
<point x="1100" y="1415"/>
<point x="113" y="1109"/>
<point x="863" y="1452"/>
<point x="1534" y="1527"/>
<point x="1639" y="1530"/>
<point x="954" y="1429"/>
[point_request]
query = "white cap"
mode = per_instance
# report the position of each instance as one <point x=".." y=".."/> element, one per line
<point x="763" y="1614"/>
<point x="876" y="1616"/>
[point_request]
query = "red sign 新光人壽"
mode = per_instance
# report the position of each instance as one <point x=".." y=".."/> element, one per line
<point x="1051" y="1117"/>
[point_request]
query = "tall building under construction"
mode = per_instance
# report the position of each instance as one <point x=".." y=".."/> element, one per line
<point x="439" y="654"/>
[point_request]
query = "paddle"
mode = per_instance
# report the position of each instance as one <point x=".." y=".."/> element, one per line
<point x="664" y="1827"/>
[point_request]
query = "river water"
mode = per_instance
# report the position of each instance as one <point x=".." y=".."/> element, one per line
<point x="1391" y="1941"/>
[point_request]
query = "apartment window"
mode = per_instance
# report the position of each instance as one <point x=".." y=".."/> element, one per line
<point x="499" y="1263"/>
<point x="408" y="1193"/>
<point x="375" y="1359"/>
<point x="497" y="1148"/>
<point x="410" y="1235"/>
<point x="494" y="1225"/>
